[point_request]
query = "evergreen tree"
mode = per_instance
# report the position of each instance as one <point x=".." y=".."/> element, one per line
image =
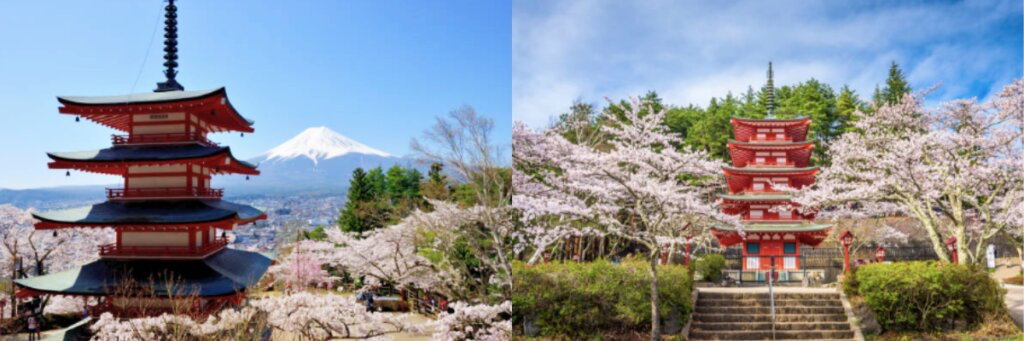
<point x="378" y="183"/>
<point x="816" y="100"/>
<point x="363" y="211"/>
<point x="396" y="183"/>
<point x="359" y="189"/>
<point x="751" y="107"/>
<point x="436" y="185"/>
<point x="847" y="106"/>
<point x="895" y="87"/>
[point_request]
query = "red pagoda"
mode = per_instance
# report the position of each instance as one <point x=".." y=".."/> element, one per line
<point x="169" y="222"/>
<point x="767" y="153"/>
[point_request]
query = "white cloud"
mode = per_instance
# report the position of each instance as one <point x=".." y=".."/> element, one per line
<point x="690" y="52"/>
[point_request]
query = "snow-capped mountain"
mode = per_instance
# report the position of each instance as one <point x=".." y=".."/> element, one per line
<point x="318" y="143"/>
<point x="316" y="160"/>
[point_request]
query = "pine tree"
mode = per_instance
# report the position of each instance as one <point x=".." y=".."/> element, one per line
<point x="436" y="185"/>
<point x="357" y="215"/>
<point x="378" y="183"/>
<point x="847" y="106"/>
<point x="895" y="86"/>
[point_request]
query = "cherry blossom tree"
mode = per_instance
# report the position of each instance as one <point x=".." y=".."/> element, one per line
<point x="482" y="224"/>
<point x="642" y="186"/>
<point x="303" y="267"/>
<point x="956" y="170"/>
<point x="43" y="252"/>
<point x="474" y="322"/>
<point x="312" y="316"/>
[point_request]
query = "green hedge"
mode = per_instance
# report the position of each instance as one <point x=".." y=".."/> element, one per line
<point x="926" y="295"/>
<point x="580" y="300"/>
<point x="710" y="267"/>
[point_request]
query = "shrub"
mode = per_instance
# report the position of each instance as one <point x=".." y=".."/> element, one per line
<point x="581" y="300"/>
<point x="710" y="267"/>
<point x="926" y="296"/>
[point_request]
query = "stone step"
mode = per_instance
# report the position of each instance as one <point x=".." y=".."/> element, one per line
<point x="767" y="335"/>
<point x="767" y="310"/>
<point x="705" y="317"/>
<point x="737" y="326"/>
<point x="764" y="295"/>
<point x="767" y="303"/>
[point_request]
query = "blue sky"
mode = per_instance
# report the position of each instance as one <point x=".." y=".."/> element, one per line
<point x="690" y="51"/>
<point x="376" y="71"/>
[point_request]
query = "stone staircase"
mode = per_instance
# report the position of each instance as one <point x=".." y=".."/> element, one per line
<point x="745" y="314"/>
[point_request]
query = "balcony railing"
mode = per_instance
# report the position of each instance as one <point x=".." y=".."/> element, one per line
<point x="771" y="164"/>
<point x="113" y="250"/>
<point x="161" y="138"/>
<point x="163" y="192"/>
<point x="770" y="138"/>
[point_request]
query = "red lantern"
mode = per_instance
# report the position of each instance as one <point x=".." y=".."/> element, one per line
<point x="846" y="238"/>
<point x="880" y="254"/>
<point x="951" y="247"/>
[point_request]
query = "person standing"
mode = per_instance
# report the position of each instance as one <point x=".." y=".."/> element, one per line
<point x="33" y="327"/>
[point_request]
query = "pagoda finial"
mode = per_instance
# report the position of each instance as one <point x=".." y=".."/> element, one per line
<point x="769" y="92"/>
<point x="170" y="49"/>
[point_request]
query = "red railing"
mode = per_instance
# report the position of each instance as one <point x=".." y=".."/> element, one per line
<point x="769" y="138"/>
<point x="113" y="250"/>
<point x="755" y="164"/>
<point x="163" y="192"/>
<point x="161" y="138"/>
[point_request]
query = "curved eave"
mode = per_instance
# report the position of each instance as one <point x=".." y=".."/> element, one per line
<point x="789" y="228"/>
<point x="752" y="171"/>
<point x="761" y="197"/>
<point x="773" y="145"/>
<point x="115" y="111"/>
<point x="119" y="166"/>
<point x="771" y="122"/>
<point x="226" y="272"/>
<point x="151" y="215"/>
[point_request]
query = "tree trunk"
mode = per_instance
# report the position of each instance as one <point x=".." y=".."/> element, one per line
<point x="655" y="314"/>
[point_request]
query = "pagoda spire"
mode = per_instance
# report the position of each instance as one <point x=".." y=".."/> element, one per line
<point x="769" y="92"/>
<point x="170" y="49"/>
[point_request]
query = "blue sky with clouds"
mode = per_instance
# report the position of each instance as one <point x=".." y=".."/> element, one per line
<point x="691" y="51"/>
<point x="376" y="71"/>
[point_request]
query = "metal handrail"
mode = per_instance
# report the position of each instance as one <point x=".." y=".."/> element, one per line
<point x="771" y="294"/>
<point x="164" y="192"/>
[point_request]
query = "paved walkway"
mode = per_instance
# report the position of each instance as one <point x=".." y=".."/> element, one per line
<point x="1015" y="302"/>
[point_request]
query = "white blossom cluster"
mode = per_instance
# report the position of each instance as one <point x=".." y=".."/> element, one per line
<point x="479" y="322"/>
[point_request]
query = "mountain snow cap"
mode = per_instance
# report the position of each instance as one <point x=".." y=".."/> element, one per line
<point x="319" y="143"/>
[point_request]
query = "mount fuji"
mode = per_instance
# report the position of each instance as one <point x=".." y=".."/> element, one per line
<point x="318" y="160"/>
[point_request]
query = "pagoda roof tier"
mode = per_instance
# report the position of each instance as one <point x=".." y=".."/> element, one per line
<point x="116" y="112"/>
<point x="155" y="213"/>
<point x="772" y="145"/>
<point x="115" y="160"/>
<point x="741" y="180"/>
<point x="769" y="197"/>
<point x="807" y="233"/>
<point x="224" y="273"/>
<point x="798" y="154"/>
<point x="746" y="129"/>
<point x="765" y="171"/>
